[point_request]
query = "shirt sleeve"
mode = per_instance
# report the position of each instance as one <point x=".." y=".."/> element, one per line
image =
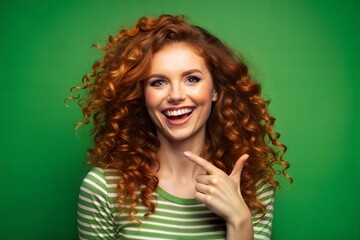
<point x="263" y="223"/>
<point x="94" y="217"/>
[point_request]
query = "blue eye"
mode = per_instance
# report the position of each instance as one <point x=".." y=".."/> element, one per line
<point x="192" y="79"/>
<point x="157" y="83"/>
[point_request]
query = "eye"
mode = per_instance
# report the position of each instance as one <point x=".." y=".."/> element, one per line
<point x="157" y="83"/>
<point x="192" y="79"/>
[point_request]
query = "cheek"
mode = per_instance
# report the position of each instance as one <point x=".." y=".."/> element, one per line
<point x="203" y="95"/>
<point x="150" y="98"/>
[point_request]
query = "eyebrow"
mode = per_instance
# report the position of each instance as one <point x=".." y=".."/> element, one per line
<point x="188" y="72"/>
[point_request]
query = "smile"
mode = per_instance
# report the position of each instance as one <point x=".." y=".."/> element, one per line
<point x="178" y="114"/>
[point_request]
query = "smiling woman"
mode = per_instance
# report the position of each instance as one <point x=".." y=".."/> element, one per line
<point x="181" y="139"/>
<point x="179" y="93"/>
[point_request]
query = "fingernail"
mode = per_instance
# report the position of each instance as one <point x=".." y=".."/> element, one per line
<point x="187" y="154"/>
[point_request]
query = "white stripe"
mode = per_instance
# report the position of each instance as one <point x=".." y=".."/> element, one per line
<point x="102" y="180"/>
<point x="259" y="215"/>
<point x="265" y="194"/>
<point x="172" y="219"/>
<point x="112" y="177"/>
<point x="114" y="205"/>
<point x="96" y="234"/>
<point x="112" y="195"/>
<point x="113" y="185"/>
<point x="258" y="237"/>
<point x="260" y="182"/>
<point x="262" y="229"/>
<point x="179" y="205"/>
<point x="269" y="208"/>
<point x="92" y="201"/>
<point x="95" y="185"/>
<point x="91" y="210"/>
<point x="183" y="227"/>
<point x="268" y="202"/>
<point x="265" y="188"/>
<point x="95" y="226"/>
<point x="84" y="189"/>
<point x="159" y="209"/>
<point x="138" y="237"/>
<point x="174" y="233"/>
<point x="91" y="217"/>
<point x="111" y="170"/>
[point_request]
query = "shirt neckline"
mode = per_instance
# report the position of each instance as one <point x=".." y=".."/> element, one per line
<point x="175" y="199"/>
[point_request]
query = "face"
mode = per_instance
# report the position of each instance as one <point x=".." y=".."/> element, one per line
<point x="179" y="93"/>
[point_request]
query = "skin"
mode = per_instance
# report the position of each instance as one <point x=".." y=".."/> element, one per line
<point x="180" y="81"/>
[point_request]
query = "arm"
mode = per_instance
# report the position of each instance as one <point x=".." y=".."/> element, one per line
<point x="95" y="220"/>
<point x="263" y="224"/>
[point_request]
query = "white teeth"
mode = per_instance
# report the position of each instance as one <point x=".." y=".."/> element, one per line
<point x="172" y="113"/>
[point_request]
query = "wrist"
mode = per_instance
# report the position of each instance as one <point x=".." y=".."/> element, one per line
<point x="240" y="226"/>
<point x="239" y="221"/>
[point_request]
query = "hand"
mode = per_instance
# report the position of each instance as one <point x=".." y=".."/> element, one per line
<point x="221" y="192"/>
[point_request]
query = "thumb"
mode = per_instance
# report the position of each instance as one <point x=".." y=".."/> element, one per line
<point x="236" y="172"/>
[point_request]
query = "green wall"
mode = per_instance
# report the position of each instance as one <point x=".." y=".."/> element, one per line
<point x="305" y="53"/>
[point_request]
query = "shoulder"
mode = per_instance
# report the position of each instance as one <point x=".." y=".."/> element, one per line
<point x="95" y="180"/>
<point x="264" y="191"/>
<point x="99" y="181"/>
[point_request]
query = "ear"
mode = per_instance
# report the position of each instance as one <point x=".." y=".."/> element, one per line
<point x="214" y="96"/>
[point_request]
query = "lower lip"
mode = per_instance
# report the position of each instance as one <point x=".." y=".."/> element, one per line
<point x="179" y="122"/>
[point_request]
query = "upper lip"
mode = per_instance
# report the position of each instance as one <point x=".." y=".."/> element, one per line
<point x="177" y="111"/>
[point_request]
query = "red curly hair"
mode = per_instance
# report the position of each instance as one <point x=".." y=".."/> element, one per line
<point x="125" y="136"/>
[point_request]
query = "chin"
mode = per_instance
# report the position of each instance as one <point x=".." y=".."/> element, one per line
<point x="181" y="135"/>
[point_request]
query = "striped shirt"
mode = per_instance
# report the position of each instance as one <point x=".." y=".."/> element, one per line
<point x="174" y="218"/>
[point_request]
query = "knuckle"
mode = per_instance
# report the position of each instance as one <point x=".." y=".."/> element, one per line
<point x="211" y="190"/>
<point x="208" y="199"/>
<point x="214" y="181"/>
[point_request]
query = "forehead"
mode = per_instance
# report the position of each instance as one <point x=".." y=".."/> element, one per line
<point x="177" y="56"/>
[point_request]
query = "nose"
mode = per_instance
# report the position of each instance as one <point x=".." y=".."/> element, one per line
<point x="176" y="95"/>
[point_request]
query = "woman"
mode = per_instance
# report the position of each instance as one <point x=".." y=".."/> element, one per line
<point x="181" y="139"/>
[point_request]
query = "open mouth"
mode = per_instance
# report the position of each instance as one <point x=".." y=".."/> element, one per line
<point x="178" y="114"/>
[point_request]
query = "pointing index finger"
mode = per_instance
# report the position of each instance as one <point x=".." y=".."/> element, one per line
<point x="208" y="167"/>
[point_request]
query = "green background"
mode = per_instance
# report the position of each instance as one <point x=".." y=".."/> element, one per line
<point x="305" y="53"/>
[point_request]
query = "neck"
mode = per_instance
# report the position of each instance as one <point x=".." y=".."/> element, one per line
<point x="172" y="160"/>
